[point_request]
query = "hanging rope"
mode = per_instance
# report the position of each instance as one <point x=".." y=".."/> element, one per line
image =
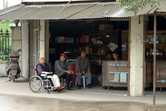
<point x="64" y="7"/>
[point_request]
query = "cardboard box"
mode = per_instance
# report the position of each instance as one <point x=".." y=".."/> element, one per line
<point x="61" y="39"/>
<point x="105" y="27"/>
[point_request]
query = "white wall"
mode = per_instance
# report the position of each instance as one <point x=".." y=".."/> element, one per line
<point x="3" y="68"/>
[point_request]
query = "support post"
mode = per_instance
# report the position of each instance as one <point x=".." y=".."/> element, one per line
<point x="42" y="39"/>
<point x="136" y="56"/>
<point x="47" y="37"/>
<point x="25" y="49"/>
<point x="154" y="61"/>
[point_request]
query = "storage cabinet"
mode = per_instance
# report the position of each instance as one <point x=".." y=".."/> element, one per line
<point x="115" y="73"/>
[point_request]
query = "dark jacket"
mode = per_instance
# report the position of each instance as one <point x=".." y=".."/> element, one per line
<point x="60" y="67"/>
<point x="41" y="68"/>
<point x="82" y="65"/>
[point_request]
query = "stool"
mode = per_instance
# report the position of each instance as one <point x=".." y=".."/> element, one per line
<point x="83" y="78"/>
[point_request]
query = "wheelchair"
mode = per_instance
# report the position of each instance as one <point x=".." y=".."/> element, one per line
<point x="39" y="82"/>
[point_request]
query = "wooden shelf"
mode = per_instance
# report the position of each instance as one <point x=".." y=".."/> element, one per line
<point x="115" y="84"/>
<point x="86" y="43"/>
<point x="151" y="44"/>
<point x="158" y="32"/>
<point x="160" y="85"/>
<point x="163" y="56"/>
<point x="161" y="74"/>
<point x="98" y="44"/>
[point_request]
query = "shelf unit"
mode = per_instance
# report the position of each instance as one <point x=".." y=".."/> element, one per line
<point x="148" y="58"/>
<point x="161" y="47"/>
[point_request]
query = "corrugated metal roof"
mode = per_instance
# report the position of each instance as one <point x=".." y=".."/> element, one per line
<point x="162" y="6"/>
<point x="71" y="11"/>
<point x="45" y="11"/>
<point x="101" y="10"/>
<point x="7" y="10"/>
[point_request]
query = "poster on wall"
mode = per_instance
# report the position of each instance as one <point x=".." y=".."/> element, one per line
<point x="112" y="46"/>
<point x="123" y="77"/>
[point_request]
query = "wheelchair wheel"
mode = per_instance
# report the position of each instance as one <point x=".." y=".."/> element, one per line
<point x="36" y="84"/>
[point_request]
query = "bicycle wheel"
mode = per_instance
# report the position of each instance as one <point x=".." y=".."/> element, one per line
<point x="36" y="84"/>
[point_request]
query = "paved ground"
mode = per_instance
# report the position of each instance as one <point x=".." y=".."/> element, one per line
<point x="20" y="103"/>
<point x="97" y="94"/>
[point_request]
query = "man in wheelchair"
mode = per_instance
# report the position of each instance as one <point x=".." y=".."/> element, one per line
<point x="43" y="67"/>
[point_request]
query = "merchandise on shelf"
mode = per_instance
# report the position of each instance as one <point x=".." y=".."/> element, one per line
<point x="150" y="39"/>
<point x="61" y="39"/>
<point x="84" y="39"/>
<point x="96" y="40"/>
<point x="151" y="52"/>
<point x="69" y="40"/>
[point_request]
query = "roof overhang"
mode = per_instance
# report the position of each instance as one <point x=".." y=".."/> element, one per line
<point x="73" y="11"/>
<point x="94" y="10"/>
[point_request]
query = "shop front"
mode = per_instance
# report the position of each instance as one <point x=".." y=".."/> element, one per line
<point x="97" y="27"/>
<point x="100" y="38"/>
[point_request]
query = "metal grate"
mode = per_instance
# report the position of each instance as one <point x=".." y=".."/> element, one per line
<point x="5" y="45"/>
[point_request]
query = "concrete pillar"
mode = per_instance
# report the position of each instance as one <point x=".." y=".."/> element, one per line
<point x="47" y="41"/>
<point x="42" y="38"/>
<point x="136" y="58"/>
<point x="16" y="41"/>
<point x="34" y="44"/>
<point x="25" y="49"/>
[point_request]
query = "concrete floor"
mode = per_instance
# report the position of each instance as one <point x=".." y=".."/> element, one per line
<point x="20" y="103"/>
<point x="96" y="94"/>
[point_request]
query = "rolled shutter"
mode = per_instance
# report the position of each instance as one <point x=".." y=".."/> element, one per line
<point x="25" y="49"/>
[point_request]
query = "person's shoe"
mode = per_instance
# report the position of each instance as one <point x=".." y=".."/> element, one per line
<point x="69" y="88"/>
<point x="54" y="88"/>
<point x="89" y="86"/>
<point x="79" y="86"/>
<point x="72" y="85"/>
<point x="60" y="88"/>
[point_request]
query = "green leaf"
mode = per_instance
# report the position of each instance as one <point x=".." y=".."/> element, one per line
<point x="136" y="5"/>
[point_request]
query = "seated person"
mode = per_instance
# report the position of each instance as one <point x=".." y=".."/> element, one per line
<point x="83" y="68"/>
<point x="63" y="71"/>
<point x="43" y="67"/>
<point x="109" y="56"/>
<point x="116" y="56"/>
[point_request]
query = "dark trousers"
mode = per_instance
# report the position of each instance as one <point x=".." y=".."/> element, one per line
<point x="68" y="78"/>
